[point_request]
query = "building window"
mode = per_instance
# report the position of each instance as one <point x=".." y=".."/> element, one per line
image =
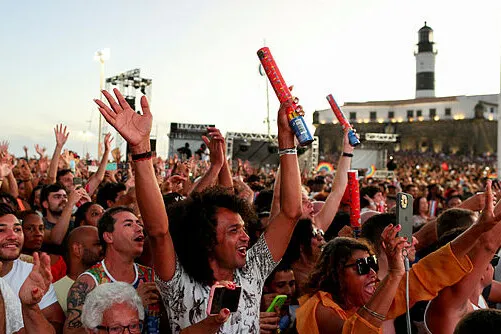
<point x="419" y="113"/>
<point x="433" y="113"/>
<point x="410" y="113"/>
<point x="492" y="110"/>
<point x="447" y="111"/>
<point x="391" y="114"/>
<point x="373" y="116"/>
<point x="353" y="116"/>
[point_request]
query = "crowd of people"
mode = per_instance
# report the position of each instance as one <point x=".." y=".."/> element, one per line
<point x="144" y="248"/>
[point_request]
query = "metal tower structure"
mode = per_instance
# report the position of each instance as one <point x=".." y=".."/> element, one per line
<point x="129" y="83"/>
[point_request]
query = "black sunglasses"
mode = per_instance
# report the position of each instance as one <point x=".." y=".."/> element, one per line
<point x="495" y="260"/>
<point x="365" y="264"/>
<point x="317" y="231"/>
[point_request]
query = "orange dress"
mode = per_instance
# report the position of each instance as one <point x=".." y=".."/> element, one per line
<point x="426" y="278"/>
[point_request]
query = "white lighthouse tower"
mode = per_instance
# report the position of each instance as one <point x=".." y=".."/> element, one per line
<point x="425" y="63"/>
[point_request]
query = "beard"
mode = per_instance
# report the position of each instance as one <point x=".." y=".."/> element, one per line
<point x="89" y="259"/>
<point x="57" y="211"/>
<point x="9" y="256"/>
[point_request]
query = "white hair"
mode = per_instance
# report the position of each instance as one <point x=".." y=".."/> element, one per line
<point x="106" y="295"/>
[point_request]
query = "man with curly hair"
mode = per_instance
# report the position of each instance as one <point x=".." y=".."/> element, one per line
<point x="225" y="256"/>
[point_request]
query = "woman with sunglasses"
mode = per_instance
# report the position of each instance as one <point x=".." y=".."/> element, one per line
<point x="342" y="292"/>
<point x="335" y="307"/>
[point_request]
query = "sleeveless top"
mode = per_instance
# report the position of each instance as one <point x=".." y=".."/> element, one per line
<point x="101" y="275"/>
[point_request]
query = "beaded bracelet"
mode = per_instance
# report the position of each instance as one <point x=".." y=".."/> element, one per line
<point x="376" y="315"/>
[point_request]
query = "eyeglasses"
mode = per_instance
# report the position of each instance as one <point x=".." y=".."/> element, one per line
<point x="316" y="232"/>
<point x="365" y="264"/>
<point x="495" y="260"/>
<point x="117" y="329"/>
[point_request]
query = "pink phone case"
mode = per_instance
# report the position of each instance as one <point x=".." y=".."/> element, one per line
<point x="211" y="296"/>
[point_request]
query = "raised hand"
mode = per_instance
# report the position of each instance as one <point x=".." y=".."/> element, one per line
<point x="393" y="246"/>
<point x="107" y="142"/>
<point x="488" y="219"/>
<point x="133" y="127"/>
<point x="5" y="169"/>
<point x="4" y="146"/>
<point x="116" y="154"/>
<point x="215" y="145"/>
<point x="38" y="281"/>
<point x="40" y="150"/>
<point x="347" y="148"/>
<point x="61" y="135"/>
<point x="76" y="195"/>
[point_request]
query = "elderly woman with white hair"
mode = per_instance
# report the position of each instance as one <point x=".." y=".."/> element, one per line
<point x="112" y="308"/>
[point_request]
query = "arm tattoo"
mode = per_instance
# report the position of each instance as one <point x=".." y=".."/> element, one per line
<point x="76" y="299"/>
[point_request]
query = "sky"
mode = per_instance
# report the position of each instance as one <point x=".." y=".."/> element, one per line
<point x="201" y="56"/>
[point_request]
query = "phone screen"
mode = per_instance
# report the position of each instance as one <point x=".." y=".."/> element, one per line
<point x="111" y="166"/>
<point x="77" y="181"/>
<point x="404" y="215"/>
<point x="224" y="298"/>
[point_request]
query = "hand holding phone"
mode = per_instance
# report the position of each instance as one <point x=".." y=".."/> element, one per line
<point x="223" y="297"/>
<point x="277" y="303"/>
<point x="404" y="215"/>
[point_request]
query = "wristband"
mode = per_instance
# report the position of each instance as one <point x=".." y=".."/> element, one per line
<point x="142" y="156"/>
<point x="349" y="155"/>
<point x="287" y="151"/>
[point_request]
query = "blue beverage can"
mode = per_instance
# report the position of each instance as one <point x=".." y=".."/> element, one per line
<point x="301" y="131"/>
<point x="352" y="138"/>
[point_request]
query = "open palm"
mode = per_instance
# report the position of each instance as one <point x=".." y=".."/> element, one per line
<point x="133" y="127"/>
<point x="38" y="281"/>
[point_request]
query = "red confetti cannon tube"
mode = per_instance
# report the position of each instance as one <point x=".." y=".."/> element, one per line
<point x="296" y="121"/>
<point x="354" y="141"/>
<point x="354" y="199"/>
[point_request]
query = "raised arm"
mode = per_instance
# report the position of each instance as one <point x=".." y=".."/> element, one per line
<point x="98" y="177"/>
<point x="281" y="226"/>
<point x="135" y="129"/>
<point x="275" y="202"/>
<point x="61" y="138"/>
<point x="224" y="178"/>
<point x="215" y="145"/>
<point x="369" y="318"/>
<point x="58" y="232"/>
<point x="323" y="219"/>
<point x="451" y="304"/>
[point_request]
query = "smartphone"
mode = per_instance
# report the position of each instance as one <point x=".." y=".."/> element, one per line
<point x="111" y="166"/>
<point x="77" y="181"/>
<point x="404" y="215"/>
<point x="221" y="297"/>
<point x="277" y="302"/>
<point x="123" y="165"/>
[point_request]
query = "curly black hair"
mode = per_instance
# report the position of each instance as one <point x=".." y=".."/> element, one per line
<point x="326" y="273"/>
<point x="193" y="225"/>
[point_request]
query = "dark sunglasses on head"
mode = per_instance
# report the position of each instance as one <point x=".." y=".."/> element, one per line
<point x="365" y="264"/>
<point x="317" y="231"/>
<point x="495" y="260"/>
